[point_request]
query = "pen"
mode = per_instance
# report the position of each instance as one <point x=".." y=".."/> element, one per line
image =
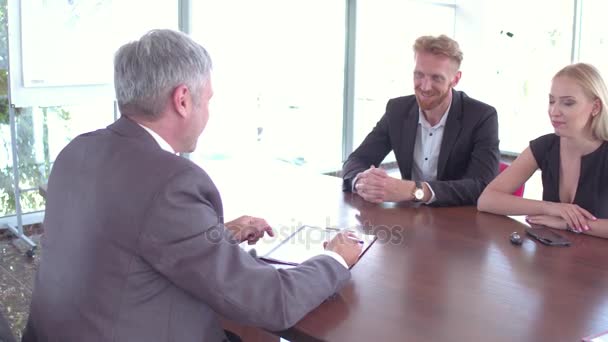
<point x="339" y="230"/>
<point x="358" y="241"/>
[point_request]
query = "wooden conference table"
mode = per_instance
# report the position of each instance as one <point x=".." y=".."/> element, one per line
<point x="434" y="274"/>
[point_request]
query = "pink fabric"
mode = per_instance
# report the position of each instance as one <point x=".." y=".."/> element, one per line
<point x="520" y="191"/>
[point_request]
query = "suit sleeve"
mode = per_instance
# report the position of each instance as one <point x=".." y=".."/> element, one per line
<point x="481" y="170"/>
<point x="371" y="152"/>
<point x="184" y="239"/>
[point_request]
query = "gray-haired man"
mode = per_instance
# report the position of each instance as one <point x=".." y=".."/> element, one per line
<point x="135" y="248"/>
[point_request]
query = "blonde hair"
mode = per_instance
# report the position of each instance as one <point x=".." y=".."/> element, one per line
<point x="441" y="45"/>
<point x="590" y="79"/>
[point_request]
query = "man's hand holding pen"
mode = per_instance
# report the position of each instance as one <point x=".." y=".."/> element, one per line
<point x="347" y="244"/>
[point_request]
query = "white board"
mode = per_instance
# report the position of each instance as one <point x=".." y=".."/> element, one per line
<point x="61" y="51"/>
<point x="37" y="60"/>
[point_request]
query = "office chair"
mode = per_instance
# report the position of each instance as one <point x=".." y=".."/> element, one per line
<point x="520" y="191"/>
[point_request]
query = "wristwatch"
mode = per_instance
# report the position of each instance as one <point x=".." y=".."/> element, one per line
<point x="418" y="192"/>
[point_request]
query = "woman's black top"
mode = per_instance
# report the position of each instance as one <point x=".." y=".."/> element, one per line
<point x="592" y="190"/>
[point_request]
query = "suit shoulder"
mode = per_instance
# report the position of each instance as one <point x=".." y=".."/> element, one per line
<point x="175" y="164"/>
<point x="79" y="144"/>
<point x="143" y="156"/>
<point x="474" y="106"/>
<point x="400" y="106"/>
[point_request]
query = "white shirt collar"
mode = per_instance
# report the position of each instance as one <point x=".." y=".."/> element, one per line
<point x="159" y="140"/>
<point x="422" y="119"/>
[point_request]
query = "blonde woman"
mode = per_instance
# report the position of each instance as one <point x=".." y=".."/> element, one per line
<point x="573" y="160"/>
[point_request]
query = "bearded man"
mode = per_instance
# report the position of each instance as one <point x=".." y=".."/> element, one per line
<point x="445" y="143"/>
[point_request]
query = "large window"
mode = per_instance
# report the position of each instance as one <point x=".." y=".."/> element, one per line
<point x="279" y="73"/>
<point x="278" y="79"/>
<point x="526" y="43"/>
<point x="133" y="18"/>
<point x="594" y="35"/>
<point x="42" y="132"/>
<point x="386" y="31"/>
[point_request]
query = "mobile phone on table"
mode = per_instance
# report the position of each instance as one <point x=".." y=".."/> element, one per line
<point x="547" y="236"/>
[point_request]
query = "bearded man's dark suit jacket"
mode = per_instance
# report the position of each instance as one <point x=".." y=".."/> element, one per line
<point x="135" y="250"/>
<point x="469" y="154"/>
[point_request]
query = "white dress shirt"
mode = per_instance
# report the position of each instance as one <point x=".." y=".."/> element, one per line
<point x="165" y="146"/>
<point x="159" y="140"/>
<point x="426" y="150"/>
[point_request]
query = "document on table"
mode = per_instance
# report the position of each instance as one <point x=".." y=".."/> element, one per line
<point x="300" y="245"/>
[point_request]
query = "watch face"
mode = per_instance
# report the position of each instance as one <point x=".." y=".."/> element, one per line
<point x="419" y="194"/>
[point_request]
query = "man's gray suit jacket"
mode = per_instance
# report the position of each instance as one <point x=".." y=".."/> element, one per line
<point x="135" y="249"/>
<point x="468" y="156"/>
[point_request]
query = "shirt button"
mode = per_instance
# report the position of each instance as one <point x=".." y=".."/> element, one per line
<point x="431" y="134"/>
<point x="426" y="158"/>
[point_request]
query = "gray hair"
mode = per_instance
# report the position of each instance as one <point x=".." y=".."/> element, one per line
<point x="147" y="70"/>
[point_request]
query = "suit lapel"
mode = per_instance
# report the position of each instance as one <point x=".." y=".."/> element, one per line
<point x="408" y="134"/>
<point x="450" y="132"/>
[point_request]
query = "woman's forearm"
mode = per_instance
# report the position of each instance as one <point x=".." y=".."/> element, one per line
<point x="498" y="202"/>
<point x="598" y="228"/>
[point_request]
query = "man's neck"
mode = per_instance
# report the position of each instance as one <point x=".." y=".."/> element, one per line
<point x="434" y="115"/>
<point x="159" y="128"/>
